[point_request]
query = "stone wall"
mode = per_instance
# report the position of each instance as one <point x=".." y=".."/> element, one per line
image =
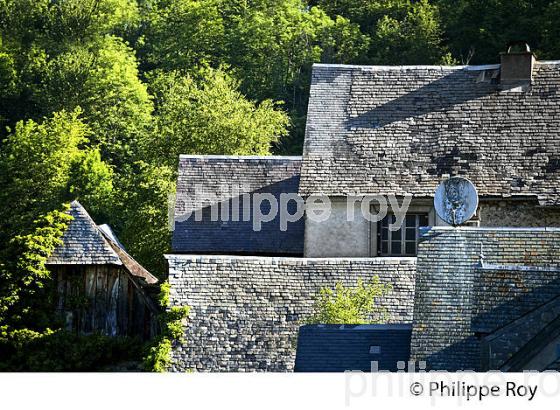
<point x="246" y="311"/>
<point x="341" y="236"/>
<point x="518" y="214"/>
<point x="459" y="300"/>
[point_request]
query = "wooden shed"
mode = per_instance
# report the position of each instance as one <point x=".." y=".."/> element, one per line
<point x="100" y="287"/>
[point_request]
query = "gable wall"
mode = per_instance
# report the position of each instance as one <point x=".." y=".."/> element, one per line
<point x="102" y="299"/>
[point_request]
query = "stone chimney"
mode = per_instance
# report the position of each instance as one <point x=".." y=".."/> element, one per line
<point x="516" y="72"/>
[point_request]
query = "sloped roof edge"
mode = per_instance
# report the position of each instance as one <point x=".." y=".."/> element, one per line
<point x="85" y="243"/>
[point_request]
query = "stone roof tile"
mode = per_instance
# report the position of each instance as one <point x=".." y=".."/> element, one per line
<point x="381" y="130"/>
<point x="210" y="180"/>
<point x="83" y="242"/>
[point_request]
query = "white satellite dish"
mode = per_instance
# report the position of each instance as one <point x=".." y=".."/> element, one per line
<point x="456" y="200"/>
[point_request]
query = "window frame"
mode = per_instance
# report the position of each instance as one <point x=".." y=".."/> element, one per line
<point x="403" y="241"/>
<point x="412" y="209"/>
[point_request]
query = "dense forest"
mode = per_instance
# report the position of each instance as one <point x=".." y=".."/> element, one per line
<point x="99" y="97"/>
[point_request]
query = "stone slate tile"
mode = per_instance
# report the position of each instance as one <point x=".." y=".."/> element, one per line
<point x="397" y="130"/>
<point x="223" y="181"/>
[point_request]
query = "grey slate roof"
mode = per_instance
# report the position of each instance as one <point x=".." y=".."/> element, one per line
<point x="511" y="347"/>
<point x="204" y="181"/>
<point x="336" y="348"/>
<point x="379" y="130"/>
<point x="83" y="242"/>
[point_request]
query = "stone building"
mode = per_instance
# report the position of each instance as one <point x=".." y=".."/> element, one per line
<point x="476" y="297"/>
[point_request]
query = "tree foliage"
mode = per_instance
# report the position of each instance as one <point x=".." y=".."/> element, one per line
<point x="350" y="305"/>
<point x="24" y="289"/>
<point x="102" y="79"/>
<point x="43" y="165"/>
<point x="142" y="200"/>
<point x="205" y="114"/>
<point x="401" y="31"/>
<point x="478" y="30"/>
<point x="99" y="97"/>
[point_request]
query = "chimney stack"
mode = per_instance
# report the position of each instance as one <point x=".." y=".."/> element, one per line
<point x="517" y="67"/>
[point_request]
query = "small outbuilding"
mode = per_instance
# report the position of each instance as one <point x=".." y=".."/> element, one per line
<point x="100" y="287"/>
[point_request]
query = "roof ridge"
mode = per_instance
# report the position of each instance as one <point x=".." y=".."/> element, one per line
<point x="259" y="157"/>
<point x="133" y="266"/>
<point x="381" y="67"/>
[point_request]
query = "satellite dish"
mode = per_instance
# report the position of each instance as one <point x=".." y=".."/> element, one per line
<point x="456" y="200"/>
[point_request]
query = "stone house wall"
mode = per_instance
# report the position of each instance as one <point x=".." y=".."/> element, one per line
<point x="340" y="237"/>
<point x="518" y="214"/>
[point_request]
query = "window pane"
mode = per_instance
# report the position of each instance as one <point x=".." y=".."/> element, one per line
<point x="396" y="248"/>
<point x="396" y="235"/>
<point x="411" y="220"/>
<point x="410" y="248"/>
<point x="410" y="234"/>
<point x="424" y="220"/>
<point x="384" y="234"/>
<point x="384" y="248"/>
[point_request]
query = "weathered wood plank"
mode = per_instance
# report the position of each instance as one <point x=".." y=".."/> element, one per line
<point x="102" y="298"/>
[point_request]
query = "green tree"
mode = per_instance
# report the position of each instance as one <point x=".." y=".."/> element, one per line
<point x="140" y="213"/>
<point x="270" y="46"/>
<point x="182" y="34"/>
<point x="102" y="78"/>
<point x="550" y="46"/>
<point x="206" y="114"/>
<point x="54" y="24"/>
<point x="401" y="31"/>
<point x="36" y="32"/>
<point x="478" y="30"/>
<point x="43" y="165"/>
<point x="350" y="305"/>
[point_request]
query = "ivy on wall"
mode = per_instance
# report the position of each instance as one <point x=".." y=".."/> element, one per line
<point x="158" y="357"/>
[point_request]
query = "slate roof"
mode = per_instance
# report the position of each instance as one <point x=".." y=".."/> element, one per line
<point x="85" y="243"/>
<point x="204" y="181"/>
<point x="399" y="129"/>
<point x="338" y="348"/>
<point x="523" y="337"/>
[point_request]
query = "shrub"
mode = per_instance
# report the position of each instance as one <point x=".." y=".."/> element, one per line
<point x="347" y="305"/>
<point x="59" y="351"/>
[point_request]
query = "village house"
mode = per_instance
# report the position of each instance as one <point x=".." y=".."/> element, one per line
<point x="481" y="296"/>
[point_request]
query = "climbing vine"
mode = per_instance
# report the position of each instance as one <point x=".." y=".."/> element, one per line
<point x="158" y="357"/>
<point x="24" y="272"/>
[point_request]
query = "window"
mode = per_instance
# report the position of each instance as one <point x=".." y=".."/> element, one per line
<point x="402" y="242"/>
